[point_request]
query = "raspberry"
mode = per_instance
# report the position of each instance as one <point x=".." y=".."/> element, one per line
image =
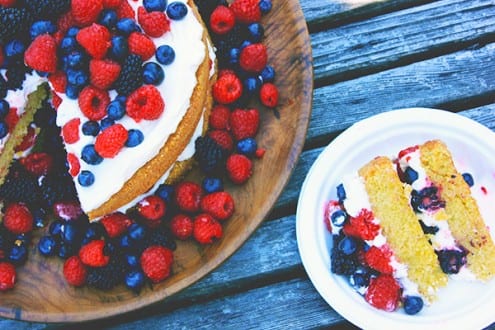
<point x="156" y="262"/>
<point x="154" y="24"/>
<point x="152" y="208"/>
<point x="206" y="229"/>
<point x="219" y="117"/>
<point x="111" y="140"/>
<point x="218" y="204"/>
<point x="28" y="140"/>
<point x="188" y="196"/>
<point x="222" y="20"/>
<point x="86" y="12"/>
<point x="7" y="276"/>
<point x="41" y="55"/>
<point x="38" y="163"/>
<point x="116" y="224"/>
<point x="70" y="131"/>
<point x="244" y="123"/>
<point x="111" y="3"/>
<point x="140" y="44"/>
<point x="75" y="272"/>
<point x="259" y="153"/>
<point x="181" y="226"/>
<point x="74" y="165"/>
<point x="18" y="219"/>
<point x="239" y="168"/>
<point x="103" y="73"/>
<point x="65" y="22"/>
<point x="146" y="103"/>
<point x="58" y="81"/>
<point x="253" y="58"/>
<point x="246" y="11"/>
<point x="93" y="102"/>
<point x="269" y="95"/>
<point x="227" y="89"/>
<point x="56" y="100"/>
<point x="379" y="259"/>
<point x="67" y="210"/>
<point x="383" y="293"/>
<point x="92" y="254"/>
<point x="95" y="39"/>
<point x="125" y="10"/>
<point x="223" y="138"/>
<point x="7" y="3"/>
<point x="11" y="119"/>
<point x="362" y="226"/>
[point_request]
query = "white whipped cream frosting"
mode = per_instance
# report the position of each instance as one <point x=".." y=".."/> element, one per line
<point x="185" y="37"/>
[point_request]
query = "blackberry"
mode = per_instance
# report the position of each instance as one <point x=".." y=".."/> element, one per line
<point x="20" y="186"/>
<point x="109" y="276"/>
<point x="161" y="237"/>
<point x="7" y="240"/>
<point x="131" y="76"/>
<point x="206" y="7"/>
<point x="56" y="187"/>
<point x="16" y="75"/>
<point x="13" y="21"/>
<point x="3" y="87"/>
<point x="46" y="9"/>
<point x="451" y="261"/>
<point x="210" y="155"/>
<point x="45" y="116"/>
<point x="342" y="264"/>
<point x="226" y="42"/>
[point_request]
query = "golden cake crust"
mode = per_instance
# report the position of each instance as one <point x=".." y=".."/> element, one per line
<point x="463" y="215"/>
<point x="144" y="178"/>
<point x="400" y="226"/>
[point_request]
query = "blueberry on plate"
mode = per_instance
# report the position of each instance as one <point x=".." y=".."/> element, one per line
<point x="413" y="304"/>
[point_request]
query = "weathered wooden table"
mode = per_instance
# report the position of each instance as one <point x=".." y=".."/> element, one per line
<point x="369" y="57"/>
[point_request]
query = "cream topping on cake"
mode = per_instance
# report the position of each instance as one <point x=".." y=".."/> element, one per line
<point x="185" y="37"/>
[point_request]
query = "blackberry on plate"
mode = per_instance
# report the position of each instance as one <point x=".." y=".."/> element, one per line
<point x="342" y="264"/>
<point x="13" y="21"/>
<point x="58" y="187"/>
<point x="226" y="42"/>
<point x="161" y="237"/>
<point x="131" y="76"/>
<point x="46" y="9"/>
<point x="20" y="186"/>
<point x="109" y="276"/>
<point x="3" y="87"/>
<point x="209" y="154"/>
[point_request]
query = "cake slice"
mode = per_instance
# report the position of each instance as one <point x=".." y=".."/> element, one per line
<point x="450" y="215"/>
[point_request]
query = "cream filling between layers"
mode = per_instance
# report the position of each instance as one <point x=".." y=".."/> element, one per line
<point x="186" y="38"/>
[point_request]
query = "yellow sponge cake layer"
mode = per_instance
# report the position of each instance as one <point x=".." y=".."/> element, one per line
<point x="400" y="226"/>
<point x="464" y="218"/>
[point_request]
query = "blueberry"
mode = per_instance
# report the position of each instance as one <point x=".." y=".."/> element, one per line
<point x="106" y="123"/>
<point x="77" y="78"/>
<point x="86" y="178"/>
<point x="134" y="280"/>
<point x="56" y="228"/>
<point x="176" y="10"/>
<point x="155" y="5"/>
<point x="47" y="246"/>
<point x="255" y="32"/>
<point x="90" y="156"/>
<point x="413" y="305"/>
<point x="252" y="85"/>
<point x="39" y="217"/>
<point x="211" y="185"/>
<point x="165" y="54"/>
<point x="247" y="146"/>
<point x="42" y="27"/>
<point x="338" y="218"/>
<point x="4" y="130"/>
<point x="360" y="278"/>
<point x="125" y="241"/>
<point x="410" y="175"/>
<point x="341" y="192"/>
<point x="108" y="18"/>
<point x="116" y="110"/>
<point x="119" y="48"/>
<point x="71" y="233"/>
<point x="14" y="48"/>
<point x="75" y="60"/>
<point x="91" y="128"/>
<point x="136" y="232"/>
<point x="244" y="44"/>
<point x="68" y="45"/>
<point x="94" y="231"/>
<point x="72" y="32"/>
<point x="265" y="6"/>
<point x="134" y="138"/>
<point x="428" y="229"/>
<point x="132" y="260"/>
<point x="72" y="91"/>
<point x="268" y="74"/>
<point x="468" y="178"/>
<point x="234" y="54"/>
<point x="153" y="73"/>
<point x="18" y="254"/>
<point x="165" y="192"/>
<point x="4" y="108"/>
<point x="127" y="25"/>
<point x="451" y="261"/>
<point x="347" y="245"/>
<point x="65" y="250"/>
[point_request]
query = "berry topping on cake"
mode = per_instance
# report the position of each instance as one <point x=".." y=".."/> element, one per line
<point x="41" y="55"/>
<point x="111" y="141"/>
<point x="93" y="102"/>
<point x="95" y="39"/>
<point x="154" y="23"/>
<point x="103" y="73"/>
<point x="145" y="103"/>
<point x="86" y="12"/>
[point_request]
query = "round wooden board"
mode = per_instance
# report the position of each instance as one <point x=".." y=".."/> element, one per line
<point x="42" y="294"/>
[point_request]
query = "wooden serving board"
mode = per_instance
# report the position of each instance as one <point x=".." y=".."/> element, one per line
<point x="42" y="294"/>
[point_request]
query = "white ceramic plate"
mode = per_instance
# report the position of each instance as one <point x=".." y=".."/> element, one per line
<point x="460" y="305"/>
